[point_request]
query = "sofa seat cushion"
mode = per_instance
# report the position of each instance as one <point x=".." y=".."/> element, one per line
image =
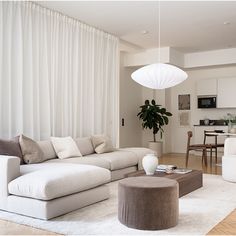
<point x="140" y="152"/>
<point x="119" y="159"/>
<point x="58" y="181"/>
<point x="87" y="160"/>
<point x="25" y="169"/>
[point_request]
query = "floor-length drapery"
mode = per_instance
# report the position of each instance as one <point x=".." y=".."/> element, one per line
<point x="58" y="76"/>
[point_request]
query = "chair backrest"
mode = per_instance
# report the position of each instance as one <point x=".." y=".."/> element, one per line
<point x="210" y="135"/>
<point x="190" y="135"/>
<point x="205" y="132"/>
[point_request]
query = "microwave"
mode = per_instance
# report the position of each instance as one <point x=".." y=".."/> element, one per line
<point x="207" y="102"/>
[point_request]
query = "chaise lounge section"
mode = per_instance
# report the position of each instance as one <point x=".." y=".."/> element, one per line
<point x="58" y="186"/>
<point x="54" y="190"/>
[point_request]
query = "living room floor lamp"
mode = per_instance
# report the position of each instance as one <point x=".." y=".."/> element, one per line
<point x="159" y="75"/>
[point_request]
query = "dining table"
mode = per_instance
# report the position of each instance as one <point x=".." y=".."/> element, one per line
<point x="218" y="134"/>
<point x="213" y="133"/>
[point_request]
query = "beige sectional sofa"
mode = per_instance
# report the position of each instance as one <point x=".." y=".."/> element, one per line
<point x="58" y="186"/>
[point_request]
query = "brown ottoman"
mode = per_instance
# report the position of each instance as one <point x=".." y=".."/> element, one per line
<point x="148" y="203"/>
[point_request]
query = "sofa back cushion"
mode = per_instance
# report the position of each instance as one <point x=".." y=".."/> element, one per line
<point x="11" y="148"/>
<point x="48" y="150"/>
<point x="102" y="143"/>
<point x="85" y="146"/>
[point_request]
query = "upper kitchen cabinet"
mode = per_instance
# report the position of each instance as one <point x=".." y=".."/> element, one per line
<point x="207" y="87"/>
<point x="226" y="93"/>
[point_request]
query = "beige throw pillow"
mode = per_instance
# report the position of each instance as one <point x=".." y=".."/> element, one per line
<point x="102" y="144"/>
<point x="65" y="147"/>
<point x="85" y="145"/>
<point x="30" y="150"/>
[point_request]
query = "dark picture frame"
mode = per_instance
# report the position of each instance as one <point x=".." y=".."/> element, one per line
<point x="184" y="102"/>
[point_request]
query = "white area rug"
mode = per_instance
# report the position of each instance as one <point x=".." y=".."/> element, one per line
<point x="200" y="211"/>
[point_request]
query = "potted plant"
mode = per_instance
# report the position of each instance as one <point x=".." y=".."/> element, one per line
<point x="154" y="117"/>
<point x="230" y="120"/>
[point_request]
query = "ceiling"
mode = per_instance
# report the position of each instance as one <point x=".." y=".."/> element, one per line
<point x="188" y="26"/>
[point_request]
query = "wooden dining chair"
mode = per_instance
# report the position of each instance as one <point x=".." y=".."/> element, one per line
<point x="214" y="145"/>
<point x="202" y="147"/>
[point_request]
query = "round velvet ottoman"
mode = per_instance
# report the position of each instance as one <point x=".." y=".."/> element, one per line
<point x="148" y="203"/>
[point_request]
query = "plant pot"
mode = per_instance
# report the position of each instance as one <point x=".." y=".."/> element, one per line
<point x="157" y="147"/>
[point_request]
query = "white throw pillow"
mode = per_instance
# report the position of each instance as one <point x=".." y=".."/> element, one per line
<point x="65" y="147"/>
<point x="102" y="144"/>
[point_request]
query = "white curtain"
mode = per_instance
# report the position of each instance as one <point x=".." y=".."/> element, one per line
<point x="58" y="76"/>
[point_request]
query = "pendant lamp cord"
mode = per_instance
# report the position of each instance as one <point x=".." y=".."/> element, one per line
<point x="159" y="31"/>
<point x="159" y="39"/>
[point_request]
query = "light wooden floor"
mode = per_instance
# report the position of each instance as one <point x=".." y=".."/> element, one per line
<point x="9" y="228"/>
<point x="226" y="227"/>
<point x="194" y="163"/>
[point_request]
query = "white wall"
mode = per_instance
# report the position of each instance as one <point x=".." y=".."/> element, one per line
<point x="132" y="95"/>
<point x="179" y="134"/>
<point x="130" y="100"/>
<point x="219" y="57"/>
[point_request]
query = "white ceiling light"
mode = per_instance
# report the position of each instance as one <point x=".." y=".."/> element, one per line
<point x="159" y="75"/>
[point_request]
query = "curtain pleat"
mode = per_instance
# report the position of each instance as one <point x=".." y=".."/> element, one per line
<point x="58" y="77"/>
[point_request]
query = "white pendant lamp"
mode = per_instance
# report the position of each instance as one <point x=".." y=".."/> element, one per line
<point x="159" y="76"/>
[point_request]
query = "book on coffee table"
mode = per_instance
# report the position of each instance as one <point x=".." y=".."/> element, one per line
<point x="163" y="168"/>
<point x="181" y="171"/>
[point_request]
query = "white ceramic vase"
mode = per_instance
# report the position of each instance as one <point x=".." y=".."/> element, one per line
<point x="150" y="162"/>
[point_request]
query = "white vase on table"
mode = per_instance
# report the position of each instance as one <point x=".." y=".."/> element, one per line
<point x="150" y="162"/>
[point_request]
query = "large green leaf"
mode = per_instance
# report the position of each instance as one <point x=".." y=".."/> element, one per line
<point x="163" y="110"/>
<point x="166" y="119"/>
<point x="168" y="113"/>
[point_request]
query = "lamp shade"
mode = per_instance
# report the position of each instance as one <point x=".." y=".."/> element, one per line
<point x="159" y="76"/>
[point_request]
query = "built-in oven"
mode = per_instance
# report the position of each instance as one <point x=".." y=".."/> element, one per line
<point x="207" y="102"/>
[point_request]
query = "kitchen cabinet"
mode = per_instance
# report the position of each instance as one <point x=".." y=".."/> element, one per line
<point x="223" y="88"/>
<point x="207" y="87"/>
<point x="226" y="93"/>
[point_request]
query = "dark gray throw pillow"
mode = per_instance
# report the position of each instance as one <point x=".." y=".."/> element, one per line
<point x="11" y="148"/>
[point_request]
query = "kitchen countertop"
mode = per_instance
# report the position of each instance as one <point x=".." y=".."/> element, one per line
<point x="210" y="125"/>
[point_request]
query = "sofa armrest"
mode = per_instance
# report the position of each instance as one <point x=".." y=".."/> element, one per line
<point x="9" y="170"/>
<point x="230" y="147"/>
